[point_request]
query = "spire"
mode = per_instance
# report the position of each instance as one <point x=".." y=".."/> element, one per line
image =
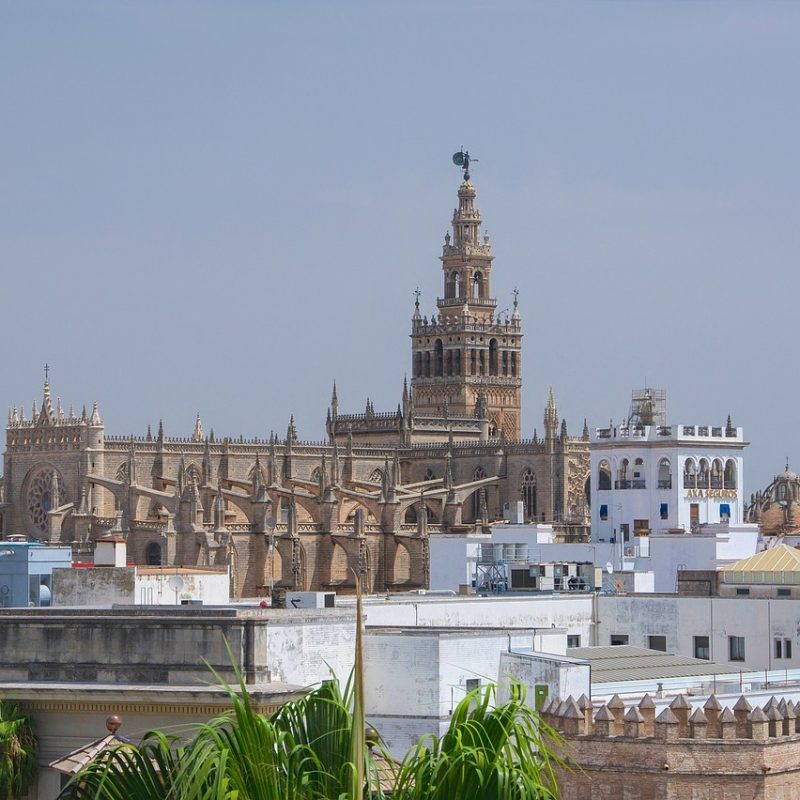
<point x="95" y="418"/>
<point x="149" y="436"/>
<point x="59" y="411"/>
<point x="585" y="434"/>
<point x="417" y="316"/>
<point x="161" y="431"/>
<point x="515" y="314"/>
<point x="334" y="402"/>
<point x="47" y="404"/>
<point x="83" y="414"/>
<point x="291" y="432"/>
<point x="550" y="416"/>
<point x="197" y="434"/>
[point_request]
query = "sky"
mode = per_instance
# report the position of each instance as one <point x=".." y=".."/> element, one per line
<point x="223" y="207"/>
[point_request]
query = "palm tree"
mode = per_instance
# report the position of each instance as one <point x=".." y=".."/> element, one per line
<point x="315" y="749"/>
<point x="18" y="764"/>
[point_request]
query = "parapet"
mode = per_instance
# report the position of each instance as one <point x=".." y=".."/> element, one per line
<point x="778" y="718"/>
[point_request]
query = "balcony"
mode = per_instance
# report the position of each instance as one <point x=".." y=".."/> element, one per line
<point x="622" y="484"/>
<point x="665" y="483"/>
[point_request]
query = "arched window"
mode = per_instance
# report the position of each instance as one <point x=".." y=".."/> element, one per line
<point x="730" y="474"/>
<point x="622" y="474"/>
<point x="493" y="356"/>
<point x="417" y="364"/>
<point x="457" y="363"/>
<point x="481" y="362"/>
<point x="152" y="554"/>
<point x="477" y="286"/>
<point x="716" y="473"/>
<point x="456" y="285"/>
<point x="427" y="363"/>
<point x="703" y="477"/>
<point x="664" y="474"/>
<point x="689" y="474"/>
<point x="528" y="492"/>
<point x="480" y="474"/>
<point x="639" y="478"/>
<point x="410" y="517"/>
<point x="513" y="365"/>
<point x="473" y="357"/>
<point x="603" y="475"/>
<point x="376" y="477"/>
<point x="429" y="476"/>
<point x="439" y="358"/>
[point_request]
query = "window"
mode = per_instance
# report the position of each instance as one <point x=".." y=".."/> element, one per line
<point x="783" y="648"/>
<point x="152" y="554"/>
<point x="641" y="527"/>
<point x="528" y="492"/>
<point x="573" y="640"/>
<point x="603" y="475"/>
<point x="736" y="648"/>
<point x="724" y="512"/>
<point x="664" y="511"/>
<point x="472" y="684"/>
<point x="604" y="512"/>
<point x="657" y="643"/>
<point x="625" y="530"/>
<point x="784" y="592"/>
<point x="742" y="592"/>
<point x="701" y="647"/>
<point x="618" y="639"/>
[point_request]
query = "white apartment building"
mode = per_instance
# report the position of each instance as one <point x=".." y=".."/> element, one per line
<point x="652" y="477"/>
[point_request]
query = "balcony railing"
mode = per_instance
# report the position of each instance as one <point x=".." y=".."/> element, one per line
<point x="665" y="483"/>
<point x="622" y="484"/>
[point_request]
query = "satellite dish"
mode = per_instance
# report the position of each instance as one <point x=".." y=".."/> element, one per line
<point x="175" y="583"/>
<point x="270" y="523"/>
<point x="609" y="568"/>
<point x="4" y="590"/>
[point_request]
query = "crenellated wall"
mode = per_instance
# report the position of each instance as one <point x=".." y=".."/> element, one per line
<point x="620" y="750"/>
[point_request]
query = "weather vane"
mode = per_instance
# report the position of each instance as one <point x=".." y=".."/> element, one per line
<point x="417" y="293"/>
<point x="462" y="159"/>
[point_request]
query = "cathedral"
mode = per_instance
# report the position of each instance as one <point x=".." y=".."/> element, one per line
<point x="284" y="513"/>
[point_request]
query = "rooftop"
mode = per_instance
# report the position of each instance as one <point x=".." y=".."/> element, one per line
<point x="627" y="663"/>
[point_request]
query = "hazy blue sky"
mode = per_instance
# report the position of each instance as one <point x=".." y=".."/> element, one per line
<point x="224" y="206"/>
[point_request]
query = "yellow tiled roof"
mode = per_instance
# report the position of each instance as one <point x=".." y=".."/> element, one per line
<point x="777" y="559"/>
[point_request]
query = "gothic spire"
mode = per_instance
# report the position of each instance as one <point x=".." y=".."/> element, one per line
<point x="334" y="402"/>
<point x="95" y="418"/>
<point x="197" y="434"/>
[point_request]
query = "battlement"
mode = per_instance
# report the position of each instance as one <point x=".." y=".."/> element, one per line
<point x="574" y="719"/>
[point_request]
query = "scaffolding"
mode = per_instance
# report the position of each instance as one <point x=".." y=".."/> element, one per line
<point x="648" y="407"/>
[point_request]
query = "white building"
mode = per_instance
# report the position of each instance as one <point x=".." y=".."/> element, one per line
<point x="651" y="477"/>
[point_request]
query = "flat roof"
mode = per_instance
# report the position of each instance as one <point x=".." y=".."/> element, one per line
<point x="627" y="663"/>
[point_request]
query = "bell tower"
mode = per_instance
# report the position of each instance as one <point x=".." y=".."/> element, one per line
<point x="468" y="350"/>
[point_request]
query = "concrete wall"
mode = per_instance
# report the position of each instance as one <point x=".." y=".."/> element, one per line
<point x="169" y="645"/>
<point x="450" y="556"/>
<point x="95" y="586"/>
<point x="563" y="677"/>
<point x="415" y="678"/>
<point x="680" y="619"/>
<point x="572" y="612"/>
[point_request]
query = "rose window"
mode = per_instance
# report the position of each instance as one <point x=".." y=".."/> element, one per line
<point x="45" y="493"/>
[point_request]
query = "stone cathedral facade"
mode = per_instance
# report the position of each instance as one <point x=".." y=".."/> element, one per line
<point x="287" y="513"/>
